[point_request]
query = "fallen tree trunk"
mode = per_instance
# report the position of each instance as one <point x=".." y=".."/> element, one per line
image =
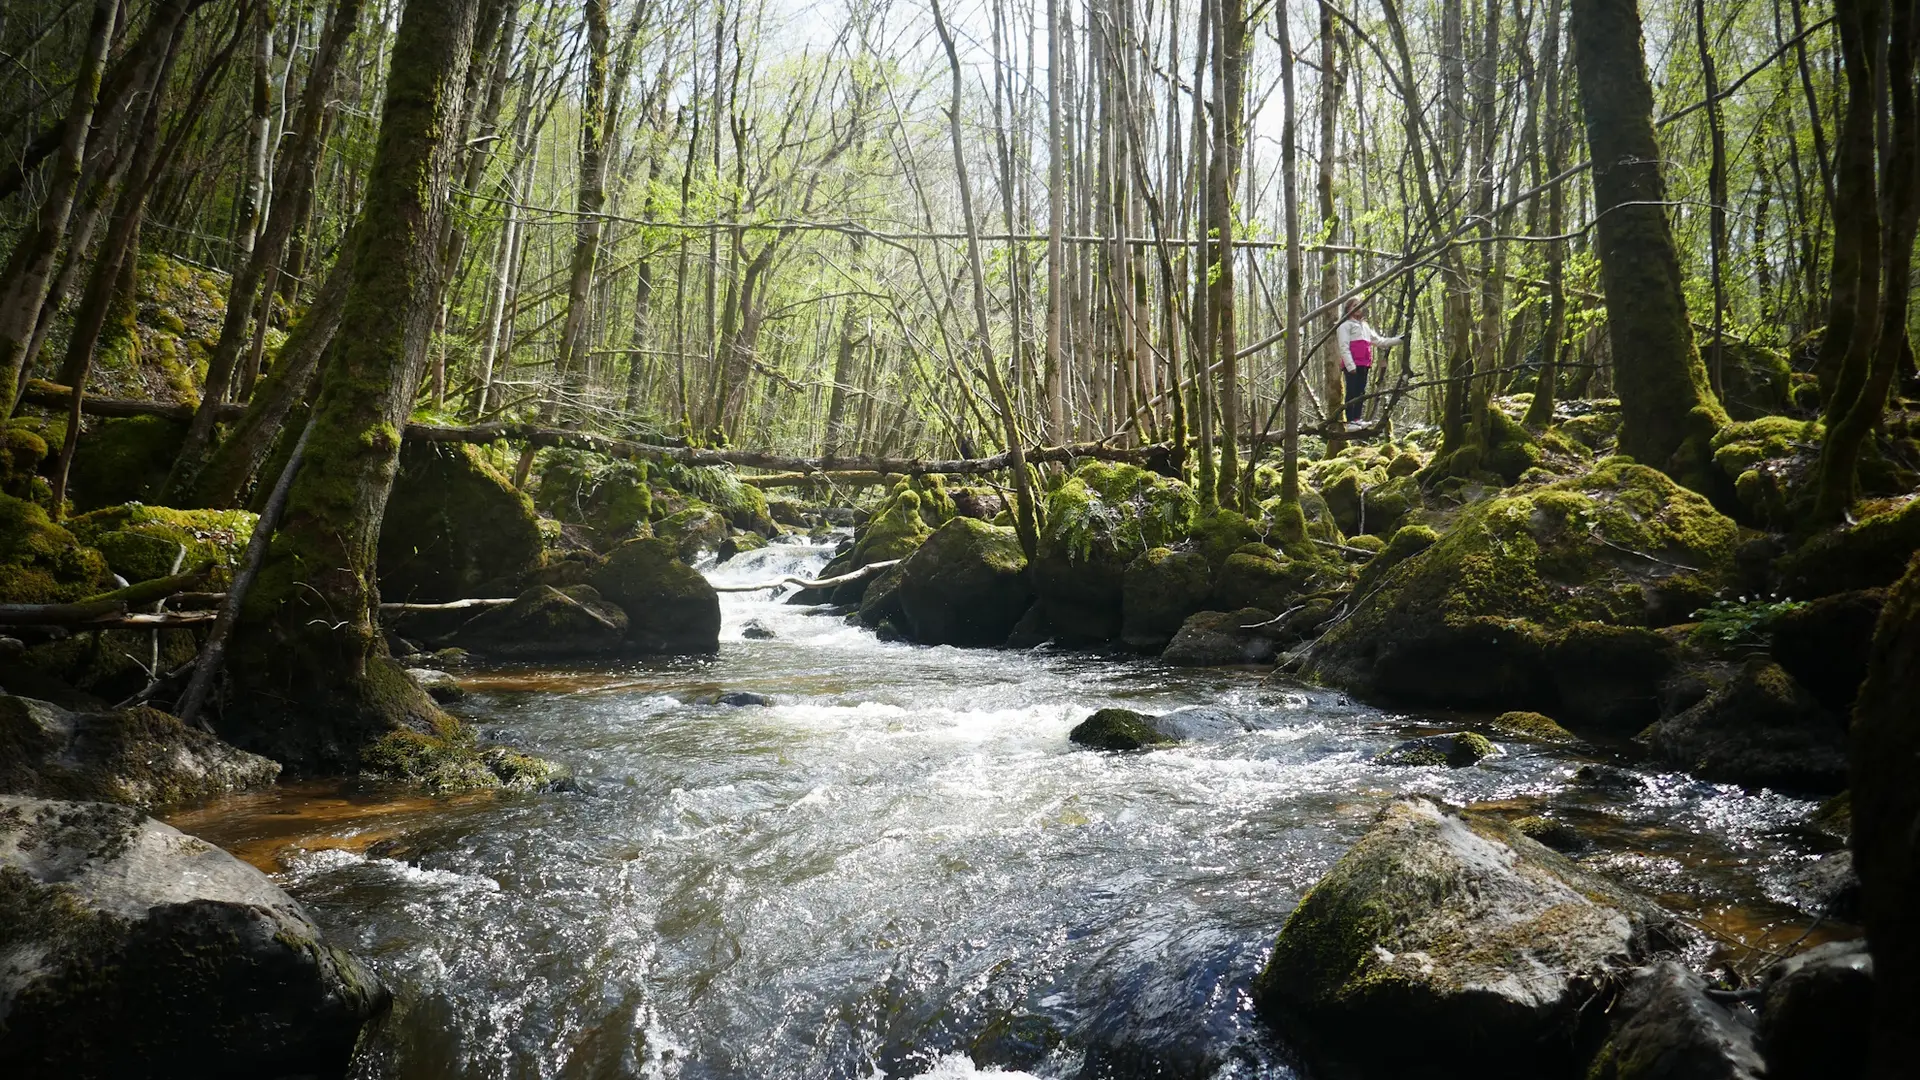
<point x="838" y="479"/>
<point x="854" y="469"/>
<point x="451" y="605"/>
<point x="866" y="571"/>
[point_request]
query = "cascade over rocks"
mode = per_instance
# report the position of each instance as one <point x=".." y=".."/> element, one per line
<point x="1762" y="729"/>
<point x="125" y="944"/>
<point x="454" y="528"/>
<point x="1542" y="599"/>
<point x="139" y="756"/>
<point x="1456" y="934"/>
<point x="965" y="585"/>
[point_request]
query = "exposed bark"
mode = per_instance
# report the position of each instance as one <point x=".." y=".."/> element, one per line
<point x="1668" y="413"/>
<point x="312" y="680"/>
<point x="1540" y="411"/>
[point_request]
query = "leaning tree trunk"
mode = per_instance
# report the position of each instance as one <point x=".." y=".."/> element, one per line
<point x="1886" y="818"/>
<point x="312" y="682"/>
<point x="1668" y="413"/>
<point x="23" y="284"/>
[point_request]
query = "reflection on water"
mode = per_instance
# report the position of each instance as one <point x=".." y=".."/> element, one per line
<point x="901" y="867"/>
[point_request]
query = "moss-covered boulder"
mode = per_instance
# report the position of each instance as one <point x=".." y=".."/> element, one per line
<point x="1160" y="589"/>
<point x="881" y="602"/>
<point x="696" y="532"/>
<point x="670" y="607"/>
<point x="1454" y="933"/>
<point x="1766" y="461"/>
<point x="140" y="756"/>
<point x="897" y="528"/>
<point x="1596" y="426"/>
<point x="547" y="623"/>
<point x="1101" y="519"/>
<point x="133" y="949"/>
<point x="43" y="563"/>
<point x="105" y="665"/>
<point x="447" y="758"/>
<point x="1824" y="644"/>
<point x="1542" y="599"/>
<point x="1755" y="381"/>
<point x="1118" y="729"/>
<point x="146" y="542"/>
<point x="1258" y="576"/>
<point x="607" y="496"/>
<point x="123" y="460"/>
<point x="21" y="452"/>
<point x="454" y="528"/>
<point x="1762" y="729"/>
<point x="1846" y="558"/>
<point x="1455" y="750"/>
<point x="1531" y="726"/>
<point x="1217" y="638"/>
<point x="1406" y="542"/>
<point x="1667" y="1027"/>
<point x="966" y="585"/>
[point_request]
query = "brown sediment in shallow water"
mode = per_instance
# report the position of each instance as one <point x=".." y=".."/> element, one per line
<point x="266" y="828"/>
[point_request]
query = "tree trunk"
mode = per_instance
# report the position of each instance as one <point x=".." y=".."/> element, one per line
<point x="1333" y="79"/>
<point x="1292" y="523"/>
<point x="23" y="284"/>
<point x="312" y="680"/>
<point x="1540" y="412"/>
<point x="1717" y="196"/>
<point x="576" y="337"/>
<point x="1668" y="413"/>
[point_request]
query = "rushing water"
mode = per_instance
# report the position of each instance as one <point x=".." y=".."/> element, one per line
<point x="902" y="867"/>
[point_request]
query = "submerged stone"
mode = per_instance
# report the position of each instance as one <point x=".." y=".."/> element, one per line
<point x="131" y="948"/>
<point x="1533" y="726"/>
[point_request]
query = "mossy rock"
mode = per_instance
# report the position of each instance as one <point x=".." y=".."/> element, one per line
<point x="110" y="664"/>
<point x="1160" y="589"/>
<point x="670" y="607"/>
<point x="881" y="602"/>
<point x="1767" y="460"/>
<point x="1258" y="576"/>
<point x="1532" y="726"/>
<point x="1847" y="558"/>
<point x="1482" y="618"/>
<point x="143" y="945"/>
<point x="1455" y="750"/>
<point x="1755" y="381"/>
<point x="455" y="527"/>
<point x="677" y="486"/>
<point x="146" y="542"/>
<point x="139" y="756"/>
<point x="449" y="759"/>
<point x="1246" y="635"/>
<point x="608" y="496"/>
<point x="966" y="585"/>
<point x="896" y="529"/>
<point x="1118" y="729"/>
<point x="21" y="452"/>
<point x="123" y="460"/>
<point x="43" y="563"/>
<point x="1097" y="522"/>
<point x="1763" y="729"/>
<point x="1598" y="430"/>
<point x="1406" y="542"/>
<point x="548" y="623"/>
<point x="1456" y="933"/>
<point x="695" y="532"/>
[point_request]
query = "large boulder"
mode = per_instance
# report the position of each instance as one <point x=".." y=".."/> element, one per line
<point x="1816" y="1017"/>
<point x="1098" y="521"/>
<point x="42" y="563"/>
<point x="142" y="542"/>
<point x="454" y="528"/>
<point x="139" y="756"/>
<point x="1825" y="644"/>
<point x="670" y="607"/>
<point x="1215" y="638"/>
<point x="1119" y="729"/>
<point x="545" y="623"/>
<point x="966" y="585"/>
<point x="1762" y="729"/>
<point x="123" y="460"/>
<point x="1460" y="937"/>
<point x="1755" y="381"/>
<point x="130" y="949"/>
<point x="1847" y="558"/>
<point x="1160" y="588"/>
<point x="1666" y="1027"/>
<point x="609" y="497"/>
<point x="696" y="532"/>
<point x="1541" y="599"/>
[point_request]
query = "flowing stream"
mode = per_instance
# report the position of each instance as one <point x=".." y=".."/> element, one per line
<point x="901" y="867"/>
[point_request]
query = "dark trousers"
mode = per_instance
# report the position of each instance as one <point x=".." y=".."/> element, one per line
<point x="1356" y="389"/>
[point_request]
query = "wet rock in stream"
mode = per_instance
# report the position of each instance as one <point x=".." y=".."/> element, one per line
<point x="1817" y="1012"/>
<point x="127" y="947"/>
<point x="1118" y="729"/>
<point x="1667" y="1027"/>
<point x="1455" y="750"/>
<point x="1461" y="937"/>
<point x="138" y="756"/>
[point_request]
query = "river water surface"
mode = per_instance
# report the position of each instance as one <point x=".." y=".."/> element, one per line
<point x="902" y="867"/>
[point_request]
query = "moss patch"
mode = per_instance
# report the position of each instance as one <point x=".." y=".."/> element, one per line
<point x="449" y="759"/>
<point x="146" y="542"/>
<point x="42" y="563"/>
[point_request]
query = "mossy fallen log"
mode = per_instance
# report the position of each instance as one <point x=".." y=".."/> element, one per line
<point x="109" y="610"/>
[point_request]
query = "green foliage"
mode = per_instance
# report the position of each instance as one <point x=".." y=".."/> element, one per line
<point x="1741" y="621"/>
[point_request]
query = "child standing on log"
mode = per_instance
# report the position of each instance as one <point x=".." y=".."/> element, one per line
<point x="1357" y="341"/>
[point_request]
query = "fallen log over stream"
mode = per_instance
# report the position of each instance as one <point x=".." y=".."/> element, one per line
<point x="866" y="571"/>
